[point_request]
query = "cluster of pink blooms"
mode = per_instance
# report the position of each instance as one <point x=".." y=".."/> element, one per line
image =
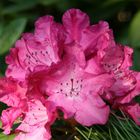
<point x="74" y="67"/>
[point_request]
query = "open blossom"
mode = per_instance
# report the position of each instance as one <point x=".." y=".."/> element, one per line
<point x="32" y="114"/>
<point x="90" y="38"/>
<point x="126" y="87"/>
<point x="62" y="51"/>
<point x="74" y="67"/>
<point x="76" y="92"/>
<point x="127" y="102"/>
<point x="46" y="45"/>
<point x="36" y="124"/>
<point x="41" y="48"/>
<point x="132" y="110"/>
<point x="13" y="95"/>
<point x="117" y="61"/>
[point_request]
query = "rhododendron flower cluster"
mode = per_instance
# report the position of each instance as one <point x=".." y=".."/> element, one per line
<point x="74" y="67"/>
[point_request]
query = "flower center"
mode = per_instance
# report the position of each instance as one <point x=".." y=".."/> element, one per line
<point x="37" y="58"/>
<point x="113" y="59"/>
<point x="71" y="88"/>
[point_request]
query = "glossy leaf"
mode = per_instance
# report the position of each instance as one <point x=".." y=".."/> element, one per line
<point x="136" y="58"/>
<point x="134" y="34"/>
<point x="137" y="99"/>
<point x="20" y="6"/>
<point x="5" y="137"/>
<point x="48" y="2"/>
<point x="1" y="28"/>
<point x="2" y="107"/>
<point x="11" y="33"/>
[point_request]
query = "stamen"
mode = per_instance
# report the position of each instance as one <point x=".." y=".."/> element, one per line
<point x="71" y="88"/>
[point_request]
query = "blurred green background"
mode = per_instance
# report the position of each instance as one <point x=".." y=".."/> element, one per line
<point x="17" y="16"/>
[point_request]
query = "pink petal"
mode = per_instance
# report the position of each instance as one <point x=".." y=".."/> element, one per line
<point x="66" y="105"/>
<point x="14" y="68"/>
<point x="35" y="117"/>
<point x="37" y="121"/>
<point x="48" y="33"/>
<point x="11" y="93"/>
<point x="74" y="50"/>
<point x="39" y="134"/>
<point x="127" y="63"/>
<point x="84" y="106"/>
<point x="40" y="49"/>
<point x="125" y="82"/>
<point x="127" y="98"/>
<point x="94" y="66"/>
<point x="91" y="110"/>
<point x="113" y="58"/>
<point x="70" y="84"/>
<point x="74" y="22"/>
<point x="97" y="37"/>
<point x="117" y="57"/>
<point x="8" y="117"/>
<point x="134" y="111"/>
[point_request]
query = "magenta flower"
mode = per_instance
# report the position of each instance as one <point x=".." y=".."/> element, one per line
<point x="34" y="115"/>
<point x="51" y="40"/>
<point x="127" y="82"/>
<point x="135" y="91"/>
<point x="13" y="95"/>
<point x="88" y="37"/>
<point x="60" y="59"/>
<point x="73" y="67"/>
<point x="127" y="102"/>
<point x="133" y="110"/>
<point x="38" y="49"/>
<point x="117" y="61"/>
<point x="36" y="123"/>
<point x="76" y="92"/>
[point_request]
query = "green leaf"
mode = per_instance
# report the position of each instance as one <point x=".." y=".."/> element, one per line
<point x="1" y="74"/>
<point x="137" y="99"/>
<point x="136" y="58"/>
<point x="134" y="33"/>
<point x="1" y="28"/>
<point x="2" y="107"/>
<point x="11" y="33"/>
<point x="48" y="2"/>
<point x="20" y="6"/>
<point x="6" y="137"/>
<point x="122" y="36"/>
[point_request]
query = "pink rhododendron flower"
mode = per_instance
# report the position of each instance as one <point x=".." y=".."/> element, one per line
<point x="88" y="37"/>
<point x="8" y="118"/>
<point x="69" y="86"/>
<point x="34" y="125"/>
<point x="127" y="102"/>
<point x="34" y="114"/>
<point x="116" y="58"/>
<point x="48" y="43"/>
<point x="37" y="120"/>
<point x="12" y="94"/>
<point x="133" y="110"/>
<point x="66" y="59"/>
<point x="135" y="91"/>
<point x="41" y="48"/>
<point x="74" y="67"/>
<point x="38" y="134"/>
<point x="127" y="82"/>
<point x="117" y="61"/>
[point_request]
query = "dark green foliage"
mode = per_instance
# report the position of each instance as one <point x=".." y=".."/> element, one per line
<point x="117" y="128"/>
